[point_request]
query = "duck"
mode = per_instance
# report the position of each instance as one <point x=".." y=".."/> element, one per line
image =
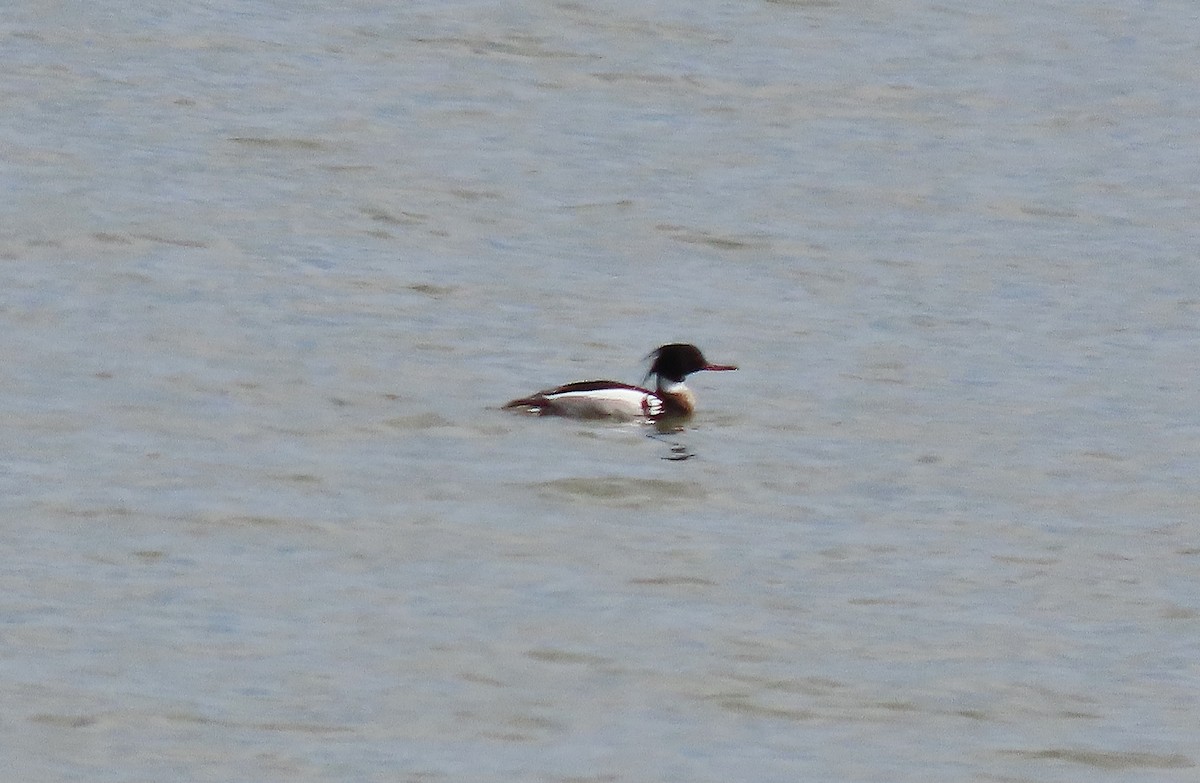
<point x="669" y="399"/>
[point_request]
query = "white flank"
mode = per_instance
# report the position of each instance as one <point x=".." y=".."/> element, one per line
<point x="607" y="403"/>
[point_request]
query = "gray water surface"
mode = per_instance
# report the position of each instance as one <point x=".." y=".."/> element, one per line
<point x="268" y="270"/>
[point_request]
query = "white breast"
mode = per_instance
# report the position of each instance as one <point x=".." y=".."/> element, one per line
<point x="606" y="403"/>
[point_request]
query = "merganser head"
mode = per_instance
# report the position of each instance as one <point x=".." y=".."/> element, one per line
<point x="675" y="361"/>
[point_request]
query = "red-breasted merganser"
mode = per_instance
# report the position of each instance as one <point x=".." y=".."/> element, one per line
<point x="613" y="399"/>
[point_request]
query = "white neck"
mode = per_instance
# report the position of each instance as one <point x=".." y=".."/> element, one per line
<point x="671" y="387"/>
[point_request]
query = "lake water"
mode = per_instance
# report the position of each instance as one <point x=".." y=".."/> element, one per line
<point x="269" y="269"/>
